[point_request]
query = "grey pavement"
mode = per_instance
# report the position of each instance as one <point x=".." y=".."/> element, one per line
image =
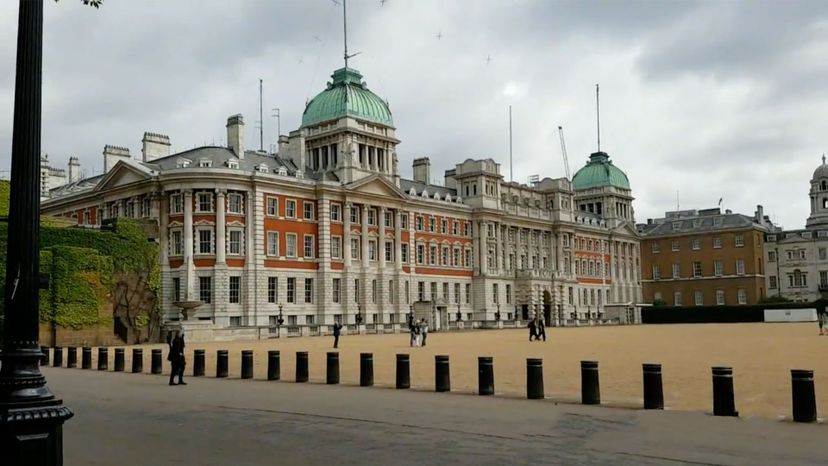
<point x="125" y="419"/>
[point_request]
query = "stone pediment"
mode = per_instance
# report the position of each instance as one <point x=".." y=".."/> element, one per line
<point x="376" y="185"/>
<point x="122" y="174"/>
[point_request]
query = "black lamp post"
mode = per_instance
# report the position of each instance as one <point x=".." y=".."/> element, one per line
<point x="358" y="317"/>
<point x="497" y="314"/>
<point x="31" y="417"/>
<point x="280" y="320"/>
<point x="459" y="314"/>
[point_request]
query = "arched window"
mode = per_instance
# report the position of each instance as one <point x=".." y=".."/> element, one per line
<point x="825" y="202"/>
<point x="824" y="185"/>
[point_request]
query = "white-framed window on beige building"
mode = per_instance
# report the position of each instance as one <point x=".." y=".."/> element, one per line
<point x="272" y="206"/>
<point x="495" y="293"/>
<point x="354" y="213"/>
<point x="372" y="216"/>
<point x="676" y="271"/>
<point x="677" y="301"/>
<point x="291" y="289"/>
<point x="355" y="249"/>
<point x="698" y="298"/>
<point x="235" y="242"/>
<point x="176" y="289"/>
<point x="433" y="295"/>
<point x="204" y="202"/>
<point x="308" y="247"/>
<point x="374" y="291"/>
<point x="404" y="253"/>
<point x="421" y="291"/>
<point x="720" y="297"/>
<point x="404" y="220"/>
<point x="290" y="245"/>
<point x="176" y="242"/>
<point x="308" y="290"/>
<point x="234" y="291"/>
<point x="741" y="296"/>
<point x="290" y="208"/>
<point x="457" y="293"/>
<point x="656" y="272"/>
<point x="336" y="289"/>
<point x="205" y="240"/>
<point x="205" y="289"/>
<point x="388" y="219"/>
<point x="445" y="292"/>
<point x="307" y="212"/>
<point x="468" y="293"/>
<point x="176" y="204"/>
<point x="772" y="282"/>
<point x="272" y="289"/>
<point x="718" y="268"/>
<point x="336" y="212"/>
<point x="389" y="251"/>
<point x="336" y="247"/>
<point x="446" y="260"/>
<point x="372" y="249"/>
<point x="235" y="204"/>
<point x="432" y="255"/>
<point x="272" y="243"/>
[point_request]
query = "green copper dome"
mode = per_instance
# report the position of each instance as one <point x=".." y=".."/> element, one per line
<point x="598" y="172"/>
<point x="347" y="95"/>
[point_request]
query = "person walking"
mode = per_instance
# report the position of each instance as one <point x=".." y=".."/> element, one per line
<point x="412" y="332"/>
<point x="532" y="330"/>
<point x="423" y="332"/>
<point x="337" y="330"/>
<point x="417" y="330"/>
<point x="176" y="358"/>
<point x="542" y="329"/>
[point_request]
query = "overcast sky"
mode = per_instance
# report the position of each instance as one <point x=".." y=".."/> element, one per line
<point x="708" y="100"/>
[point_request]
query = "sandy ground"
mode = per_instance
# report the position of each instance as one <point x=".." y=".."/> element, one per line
<point x="761" y="356"/>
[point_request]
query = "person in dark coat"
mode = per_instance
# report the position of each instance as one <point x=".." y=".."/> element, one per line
<point x="176" y="358"/>
<point x="541" y="329"/>
<point x="337" y="330"/>
<point x="533" y="332"/>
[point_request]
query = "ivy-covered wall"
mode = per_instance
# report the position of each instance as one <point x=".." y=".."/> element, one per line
<point x="4" y="198"/>
<point x="86" y="266"/>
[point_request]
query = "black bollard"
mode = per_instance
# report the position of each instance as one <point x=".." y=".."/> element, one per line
<point x="332" y="377"/>
<point x="366" y="369"/>
<point x="485" y="375"/>
<point x="198" y="363"/>
<point x="653" y="390"/>
<point x="119" y="360"/>
<point x="273" y="365"/>
<point x="137" y="360"/>
<point x="155" y="362"/>
<point x="57" y="356"/>
<point x="86" y="358"/>
<point x="723" y="404"/>
<point x="221" y="363"/>
<point x="301" y="366"/>
<point x="71" y="357"/>
<point x="44" y="360"/>
<point x="403" y="371"/>
<point x="590" y="388"/>
<point x="247" y="364"/>
<point x="802" y="395"/>
<point x="534" y="379"/>
<point x="442" y="374"/>
<point x="103" y="358"/>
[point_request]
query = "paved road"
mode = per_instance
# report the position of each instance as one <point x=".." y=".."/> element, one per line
<point x="124" y="419"/>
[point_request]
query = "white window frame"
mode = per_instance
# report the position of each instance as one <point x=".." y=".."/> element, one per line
<point x="739" y="241"/>
<point x="306" y="211"/>
<point x="336" y="247"/>
<point x="308" y="290"/>
<point x="695" y="244"/>
<point x="308" y="249"/>
<point x="336" y="290"/>
<point x="177" y="203"/>
<point x="740" y="267"/>
<point x="698" y="298"/>
<point x="230" y="280"/>
<point x="198" y="204"/>
<point x="336" y="212"/>
<point x="273" y="243"/>
<point x="720" y="297"/>
<point x="238" y="198"/>
<point x="197" y="244"/>
<point x="272" y="289"/>
<point x="290" y="208"/>
<point x="291" y="237"/>
<point x="275" y="206"/>
<point x="717" y="243"/>
<point x="678" y="299"/>
<point x="176" y="247"/>
<point x="291" y="290"/>
<point x="741" y="296"/>
<point x="201" y="289"/>
<point x="355" y="246"/>
<point x="230" y="242"/>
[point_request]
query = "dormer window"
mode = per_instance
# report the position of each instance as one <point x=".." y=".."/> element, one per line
<point x="262" y="168"/>
<point x="183" y="163"/>
<point x="234" y="164"/>
<point x="282" y="171"/>
<point x="205" y="163"/>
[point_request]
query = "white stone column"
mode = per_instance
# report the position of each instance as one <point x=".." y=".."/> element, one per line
<point x="323" y="287"/>
<point x="482" y="231"/>
<point x="221" y="224"/>
<point x="189" y="279"/>
<point x="345" y="292"/>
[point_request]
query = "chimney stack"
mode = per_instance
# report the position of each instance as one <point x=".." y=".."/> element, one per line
<point x="154" y="146"/>
<point x="112" y="155"/>
<point x="74" y="170"/>
<point x="760" y="213"/>
<point x="422" y="170"/>
<point x="235" y="134"/>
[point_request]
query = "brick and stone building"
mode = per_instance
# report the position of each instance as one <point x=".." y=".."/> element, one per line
<point x="327" y="228"/>
<point x="704" y="257"/>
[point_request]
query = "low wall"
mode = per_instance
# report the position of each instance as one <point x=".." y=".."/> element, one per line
<point x="93" y="336"/>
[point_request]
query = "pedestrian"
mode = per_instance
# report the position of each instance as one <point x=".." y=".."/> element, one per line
<point x="424" y="332"/>
<point x="337" y="330"/>
<point x="417" y="330"/>
<point x="542" y="329"/>
<point x="411" y="332"/>
<point x="532" y="330"/>
<point x="176" y="358"/>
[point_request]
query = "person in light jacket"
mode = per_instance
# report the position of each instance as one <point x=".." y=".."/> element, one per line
<point x="423" y="332"/>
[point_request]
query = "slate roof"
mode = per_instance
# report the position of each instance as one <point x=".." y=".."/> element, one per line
<point x="703" y="221"/>
<point x="406" y="185"/>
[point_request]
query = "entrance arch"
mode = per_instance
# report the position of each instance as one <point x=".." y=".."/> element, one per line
<point x="547" y="306"/>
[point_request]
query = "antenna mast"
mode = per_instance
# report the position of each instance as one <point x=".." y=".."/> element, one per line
<point x="511" y="173"/>
<point x="261" y="119"/>
<point x="345" y="33"/>
<point x="563" y="151"/>
<point x="598" y="115"/>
